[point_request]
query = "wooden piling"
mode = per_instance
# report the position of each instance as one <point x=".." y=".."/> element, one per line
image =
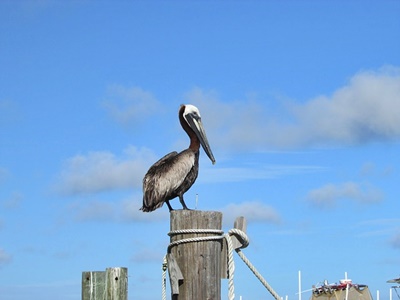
<point x="199" y="262"/>
<point x="116" y="284"/>
<point x="109" y="285"/>
<point x="93" y="285"/>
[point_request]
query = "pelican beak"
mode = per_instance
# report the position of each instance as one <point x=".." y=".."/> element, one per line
<point x="195" y="123"/>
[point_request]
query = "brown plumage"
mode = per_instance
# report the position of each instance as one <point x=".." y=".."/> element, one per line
<point x="175" y="173"/>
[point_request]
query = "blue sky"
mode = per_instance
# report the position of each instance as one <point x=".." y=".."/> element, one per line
<point x="301" y="104"/>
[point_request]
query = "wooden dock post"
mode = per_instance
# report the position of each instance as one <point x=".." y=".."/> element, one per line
<point x="199" y="262"/>
<point x="116" y="284"/>
<point x="93" y="284"/>
<point x="109" y="285"/>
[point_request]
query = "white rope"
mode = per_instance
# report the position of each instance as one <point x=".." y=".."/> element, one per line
<point x="231" y="267"/>
<point x="195" y="239"/>
<point x="257" y="274"/>
<point x="243" y="239"/>
<point x="164" y="279"/>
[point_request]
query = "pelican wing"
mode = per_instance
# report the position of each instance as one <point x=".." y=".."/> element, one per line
<point x="163" y="159"/>
<point x="165" y="177"/>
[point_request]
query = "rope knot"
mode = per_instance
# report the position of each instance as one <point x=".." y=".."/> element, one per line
<point x="240" y="236"/>
<point x="236" y="239"/>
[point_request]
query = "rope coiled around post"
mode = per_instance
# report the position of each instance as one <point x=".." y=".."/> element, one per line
<point x="195" y="239"/>
<point x="242" y="238"/>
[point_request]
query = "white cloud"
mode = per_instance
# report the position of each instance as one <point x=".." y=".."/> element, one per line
<point x="3" y="174"/>
<point x="369" y="169"/>
<point x="395" y="241"/>
<point x="255" y="172"/>
<point x="130" y="105"/>
<point x="146" y="255"/>
<point x="127" y="210"/>
<point x="253" y="211"/>
<point x="364" y="110"/>
<point x="9" y="112"/>
<point x="367" y="109"/>
<point x="131" y="212"/>
<point x="94" y="210"/>
<point x="328" y="195"/>
<point x="4" y="257"/>
<point x="13" y="201"/>
<point x="101" y="171"/>
<point x="387" y="228"/>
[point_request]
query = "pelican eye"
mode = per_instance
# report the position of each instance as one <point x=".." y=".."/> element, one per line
<point x="195" y="115"/>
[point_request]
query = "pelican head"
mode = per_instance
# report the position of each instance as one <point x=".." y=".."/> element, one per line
<point x="193" y="118"/>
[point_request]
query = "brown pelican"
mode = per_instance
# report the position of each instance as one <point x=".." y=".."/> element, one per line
<point x="175" y="173"/>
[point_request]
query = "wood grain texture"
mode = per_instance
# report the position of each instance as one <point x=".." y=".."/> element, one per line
<point x="199" y="262"/>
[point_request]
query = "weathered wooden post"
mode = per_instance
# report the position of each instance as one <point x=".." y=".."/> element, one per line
<point x="93" y="284"/>
<point x="109" y="285"/>
<point x="116" y="284"/>
<point x="199" y="261"/>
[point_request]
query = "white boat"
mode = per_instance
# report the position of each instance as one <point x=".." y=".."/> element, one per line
<point x="345" y="289"/>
